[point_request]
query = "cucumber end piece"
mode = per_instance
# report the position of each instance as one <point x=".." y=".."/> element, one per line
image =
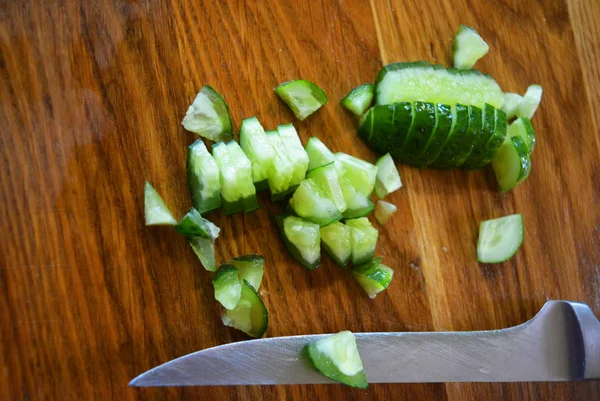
<point x="156" y="212"/>
<point x="302" y="96"/>
<point x="499" y="239"/>
<point x="358" y="100"/>
<point x="208" y="116"/>
<point x="373" y="276"/>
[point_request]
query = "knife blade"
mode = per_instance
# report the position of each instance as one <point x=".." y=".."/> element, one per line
<point x="562" y="342"/>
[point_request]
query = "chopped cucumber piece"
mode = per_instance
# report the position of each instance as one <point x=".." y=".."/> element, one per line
<point x="205" y="251"/>
<point x="314" y="204"/>
<point x="302" y="96"/>
<point x="364" y="239"/>
<point x="361" y="174"/>
<point x="384" y="211"/>
<point x="203" y="178"/>
<point x="318" y="154"/>
<point x="511" y="163"/>
<point x="388" y="178"/>
<point x="468" y="47"/>
<point x="327" y="179"/>
<point x="155" y="210"/>
<point x="227" y="285"/>
<point x="373" y="276"/>
<point x="296" y="153"/>
<point x="249" y="315"/>
<point x="302" y="238"/>
<point x="208" y="116"/>
<point x="250" y="268"/>
<point x="531" y="101"/>
<point x="522" y="127"/>
<point x="499" y="239"/>
<point x="337" y="242"/>
<point x="336" y="356"/>
<point x="357" y="204"/>
<point x="194" y="225"/>
<point x="280" y="176"/>
<point x="255" y="144"/>
<point x="359" y="99"/>
<point x="512" y="101"/>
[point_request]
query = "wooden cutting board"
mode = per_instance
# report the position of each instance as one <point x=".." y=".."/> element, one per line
<point x="92" y="95"/>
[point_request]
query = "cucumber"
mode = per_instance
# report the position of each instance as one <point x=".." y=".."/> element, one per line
<point x="409" y="82"/>
<point x="235" y="174"/>
<point x="337" y="241"/>
<point x="208" y="116"/>
<point x="155" y="211"/>
<point x="458" y="144"/>
<point x="203" y="178"/>
<point x="385" y="127"/>
<point x="468" y="47"/>
<point x="531" y="101"/>
<point x="364" y="239"/>
<point x="302" y="96"/>
<point x="512" y="101"/>
<point x="387" y="178"/>
<point x="318" y="154"/>
<point x="296" y="153"/>
<point x="313" y="204"/>
<point x="327" y="179"/>
<point x="251" y="268"/>
<point x="302" y="239"/>
<point x="361" y="174"/>
<point x="336" y="356"/>
<point x="357" y="204"/>
<point x="256" y="146"/>
<point x="227" y="286"/>
<point x="522" y="127"/>
<point x="359" y="99"/>
<point x="205" y="251"/>
<point x="493" y="144"/>
<point x="280" y="176"/>
<point x="373" y="276"/>
<point x="439" y="136"/>
<point x="249" y="315"/>
<point x="194" y="225"/>
<point x="512" y="163"/>
<point x="500" y="239"/>
<point x="479" y="137"/>
<point x="384" y="211"/>
<point x="418" y="135"/>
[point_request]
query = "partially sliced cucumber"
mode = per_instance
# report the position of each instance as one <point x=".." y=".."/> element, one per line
<point x="256" y="146"/>
<point x="384" y="211"/>
<point x="194" y="225"/>
<point x="511" y="163"/>
<point x="227" y="285"/>
<point x="337" y="241"/>
<point x="280" y="176"/>
<point x="494" y="143"/>
<point x="373" y="276"/>
<point x="302" y="96"/>
<point x="336" y="356"/>
<point x="468" y="47"/>
<point x="364" y="240"/>
<point x="357" y="204"/>
<point x="522" y="127"/>
<point x="249" y="315"/>
<point x="205" y="251"/>
<point x="302" y="238"/>
<point x="318" y="154"/>
<point x="250" y="268"/>
<point x="208" y="116"/>
<point x="155" y="210"/>
<point x="314" y="204"/>
<point x="419" y="133"/>
<point x="459" y="143"/>
<point x="500" y="239"/>
<point x="388" y="178"/>
<point x="203" y="178"/>
<point x="296" y="153"/>
<point x="327" y="179"/>
<point x="361" y="174"/>
<point x="531" y="101"/>
<point x="479" y="136"/>
<point x="512" y="101"/>
<point x="359" y="99"/>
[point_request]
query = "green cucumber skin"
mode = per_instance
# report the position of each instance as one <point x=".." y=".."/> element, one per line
<point x="250" y="294"/>
<point x="192" y="225"/>
<point x="291" y="247"/>
<point x="489" y="122"/>
<point x="360" y="212"/>
<point x="395" y="67"/>
<point x="225" y="275"/>
<point x="443" y="115"/>
<point x="456" y="139"/>
<point x="419" y="133"/>
<point x="382" y="117"/>
<point x="494" y="143"/>
<point x="475" y="134"/>
<point x="327" y="368"/>
<point x="247" y="205"/>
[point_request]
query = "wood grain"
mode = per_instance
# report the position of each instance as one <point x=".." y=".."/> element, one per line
<point x="92" y="94"/>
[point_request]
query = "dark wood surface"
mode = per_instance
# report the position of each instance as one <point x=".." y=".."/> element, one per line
<point x="91" y="98"/>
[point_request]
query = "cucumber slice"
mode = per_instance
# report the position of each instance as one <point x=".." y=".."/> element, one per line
<point x="420" y="131"/>
<point x="205" y="251"/>
<point x="459" y="144"/>
<point x="208" y="116"/>
<point x="385" y="127"/>
<point x="302" y="238"/>
<point x="439" y="136"/>
<point x="302" y="96"/>
<point x="522" y="127"/>
<point x="280" y="176"/>
<point x="155" y="210"/>
<point x="318" y="154"/>
<point x="296" y="152"/>
<point x="364" y="239"/>
<point x="327" y="179"/>
<point x="373" y="276"/>
<point x="495" y="142"/>
<point x="512" y="101"/>
<point x="255" y="144"/>
<point x="357" y="204"/>
<point x="313" y="204"/>
<point x="359" y="99"/>
<point x="480" y="137"/>
<point x="336" y="356"/>
<point x="251" y="268"/>
<point x="468" y="47"/>
<point x="511" y="163"/>
<point x="227" y="285"/>
<point x="388" y="178"/>
<point x="249" y="315"/>
<point x="409" y="82"/>
<point x="361" y="174"/>
<point x="531" y="101"/>
<point x="194" y="225"/>
<point x="337" y="241"/>
<point x="499" y="239"/>
<point x="384" y="211"/>
<point x="203" y="178"/>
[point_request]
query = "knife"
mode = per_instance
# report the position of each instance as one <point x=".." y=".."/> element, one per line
<point x="562" y="342"/>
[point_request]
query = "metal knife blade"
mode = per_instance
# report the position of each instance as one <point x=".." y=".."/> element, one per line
<point x="562" y="342"/>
